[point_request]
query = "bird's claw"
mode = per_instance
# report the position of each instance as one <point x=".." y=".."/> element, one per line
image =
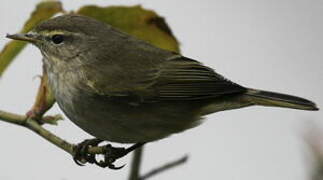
<point x="82" y="156"/>
<point x="111" y="154"/>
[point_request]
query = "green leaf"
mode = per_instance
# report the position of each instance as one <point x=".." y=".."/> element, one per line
<point x="141" y="23"/>
<point x="43" y="11"/>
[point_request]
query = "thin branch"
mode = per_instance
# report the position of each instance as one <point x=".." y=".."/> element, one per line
<point x="38" y="129"/>
<point x="33" y="125"/>
<point x="136" y="164"/>
<point x="12" y="118"/>
<point x="165" y="167"/>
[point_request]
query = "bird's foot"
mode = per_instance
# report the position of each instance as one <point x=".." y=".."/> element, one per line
<point x="114" y="153"/>
<point x="82" y="156"/>
<point x="111" y="154"/>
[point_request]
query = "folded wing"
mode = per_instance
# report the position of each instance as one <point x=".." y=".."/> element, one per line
<point x="186" y="79"/>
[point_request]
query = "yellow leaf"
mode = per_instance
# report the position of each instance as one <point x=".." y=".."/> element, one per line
<point x="141" y="23"/>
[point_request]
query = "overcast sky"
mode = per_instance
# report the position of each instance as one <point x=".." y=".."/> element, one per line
<point x="265" y="44"/>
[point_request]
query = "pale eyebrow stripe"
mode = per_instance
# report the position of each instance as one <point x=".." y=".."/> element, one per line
<point x="48" y="33"/>
<point x="59" y="32"/>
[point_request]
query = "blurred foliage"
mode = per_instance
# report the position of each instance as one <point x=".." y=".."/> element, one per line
<point x="134" y="20"/>
<point x="44" y="100"/>
<point x="313" y="139"/>
<point x="43" y="11"/>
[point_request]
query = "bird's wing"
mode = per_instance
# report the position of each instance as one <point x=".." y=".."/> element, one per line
<point x="186" y="79"/>
<point x="178" y="78"/>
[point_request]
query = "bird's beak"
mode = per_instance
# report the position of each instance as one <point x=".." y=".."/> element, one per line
<point x="29" y="37"/>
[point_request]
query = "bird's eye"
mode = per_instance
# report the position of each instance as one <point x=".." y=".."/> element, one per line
<point x="57" y="38"/>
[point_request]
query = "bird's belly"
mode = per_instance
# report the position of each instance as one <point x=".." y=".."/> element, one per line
<point x="126" y="123"/>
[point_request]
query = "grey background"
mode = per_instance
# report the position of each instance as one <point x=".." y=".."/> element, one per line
<point x="266" y="44"/>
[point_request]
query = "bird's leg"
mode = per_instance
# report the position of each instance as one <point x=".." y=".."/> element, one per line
<point x="81" y="152"/>
<point x="113" y="153"/>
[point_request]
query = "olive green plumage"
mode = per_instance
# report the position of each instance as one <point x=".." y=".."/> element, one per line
<point x="122" y="89"/>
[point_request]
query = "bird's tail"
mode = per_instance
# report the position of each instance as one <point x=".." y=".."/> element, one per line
<point x="266" y="98"/>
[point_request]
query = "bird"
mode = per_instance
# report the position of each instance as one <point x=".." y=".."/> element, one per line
<point x="122" y="89"/>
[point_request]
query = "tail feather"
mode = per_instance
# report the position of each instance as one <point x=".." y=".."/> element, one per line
<point x="266" y="98"/>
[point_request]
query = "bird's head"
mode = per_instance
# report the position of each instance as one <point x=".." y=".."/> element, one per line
<point x="65" y="38"/>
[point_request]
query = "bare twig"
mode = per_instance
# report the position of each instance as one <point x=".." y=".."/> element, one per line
<point x="136" y="164"/>
<point x="33" y="125"/>
<point x="164" y="168"/>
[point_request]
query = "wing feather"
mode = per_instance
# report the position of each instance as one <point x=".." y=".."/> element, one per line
<point x="185" y="79"/>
